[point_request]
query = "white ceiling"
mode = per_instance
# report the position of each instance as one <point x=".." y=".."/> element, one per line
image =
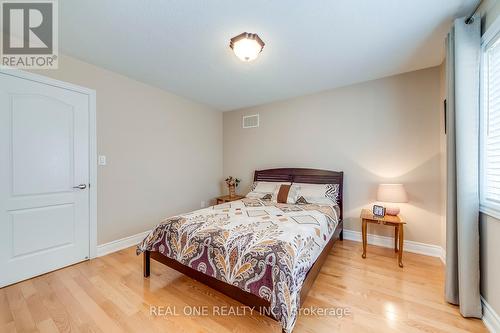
<point x="311" y="45"/>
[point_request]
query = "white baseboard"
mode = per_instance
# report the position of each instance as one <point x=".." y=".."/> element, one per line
<point x="409" y="246"/>
<point x="121" y="244"/>
<point x="490" y="318"/>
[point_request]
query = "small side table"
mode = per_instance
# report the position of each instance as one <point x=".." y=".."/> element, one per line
<point x="394" y="221"/>
<point x="227" y="198"/>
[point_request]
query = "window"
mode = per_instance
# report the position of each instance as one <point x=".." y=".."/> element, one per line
<point x="490" y="127"/>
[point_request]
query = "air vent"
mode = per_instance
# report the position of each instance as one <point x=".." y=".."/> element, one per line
<point x="251" y="121"/>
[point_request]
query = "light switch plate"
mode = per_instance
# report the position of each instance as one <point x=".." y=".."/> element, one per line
<point x="102" y="160"/>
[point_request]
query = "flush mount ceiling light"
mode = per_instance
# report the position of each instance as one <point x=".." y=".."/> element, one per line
<point x="246" y="46"/>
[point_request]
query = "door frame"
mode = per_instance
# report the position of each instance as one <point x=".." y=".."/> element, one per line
<point x="92" y="143"/>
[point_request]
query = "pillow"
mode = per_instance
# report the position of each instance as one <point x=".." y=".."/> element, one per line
<point x="265" y="190"/>
<point x="318" y="201"/>
<point x="286" y="194"/>
<point x="258" y="195"/>
<point x="301" y="201"/>
<point x="317" y="193"/>
<point x="268" y="196"/>
<point x="266" y="187"/>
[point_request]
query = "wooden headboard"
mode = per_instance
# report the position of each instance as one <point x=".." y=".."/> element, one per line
<point x="300" y="175"/>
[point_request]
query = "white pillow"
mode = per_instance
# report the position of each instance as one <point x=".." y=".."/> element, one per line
<point x="319" y="201"/>
<point x="258" y="195"/>
<point x="317" y="193"/>
<point x="261" y="189"/>
<point x="267" y="187"/>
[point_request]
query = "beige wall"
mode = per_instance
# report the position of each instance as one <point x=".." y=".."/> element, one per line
<point x="489" y="226"/>
<point x="164" y="153"/>
<point x="386" y="130"/>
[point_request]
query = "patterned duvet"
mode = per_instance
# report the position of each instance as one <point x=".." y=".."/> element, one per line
<point x="261" y="247"/>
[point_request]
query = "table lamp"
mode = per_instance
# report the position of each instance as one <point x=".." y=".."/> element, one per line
<point x="392" y="193"/>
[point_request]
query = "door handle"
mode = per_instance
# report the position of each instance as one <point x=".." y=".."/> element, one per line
<point x="81" y="186"/>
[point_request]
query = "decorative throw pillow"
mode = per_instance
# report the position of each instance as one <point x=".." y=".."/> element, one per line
<point x="282" y="196"/>
<point x="317" y="193"/>
<point x="268" y="196"/>
<point x="332" y="192"/>
<point x="288" y="194"/>
<point x="301" y="201"/>
<point x="262" y="190"/>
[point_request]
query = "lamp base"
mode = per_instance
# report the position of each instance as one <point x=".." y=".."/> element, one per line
<point x="392" y="211"/>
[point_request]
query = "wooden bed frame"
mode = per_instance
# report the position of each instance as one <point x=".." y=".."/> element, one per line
<point x="296" y="175"/>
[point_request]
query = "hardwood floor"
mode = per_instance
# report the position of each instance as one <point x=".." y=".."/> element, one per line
<point x="109" y="294"/>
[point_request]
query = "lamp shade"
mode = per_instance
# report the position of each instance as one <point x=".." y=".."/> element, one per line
<point x="392" y="193"/>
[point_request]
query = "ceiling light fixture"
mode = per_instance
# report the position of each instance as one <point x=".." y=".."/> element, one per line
<point x="246" y="46"/>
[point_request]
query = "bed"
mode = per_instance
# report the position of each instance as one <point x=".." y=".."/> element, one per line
<point x="263" y="254"/>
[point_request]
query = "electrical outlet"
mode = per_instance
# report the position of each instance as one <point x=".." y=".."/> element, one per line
<point x="203" y="204"/>
<point x="102" y="160"/>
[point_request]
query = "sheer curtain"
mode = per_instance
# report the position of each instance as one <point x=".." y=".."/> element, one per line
<point x="462" y="207"/>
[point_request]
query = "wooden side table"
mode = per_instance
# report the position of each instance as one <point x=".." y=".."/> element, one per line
<point x="395" y="221"/>
<point x="227" y="198"/>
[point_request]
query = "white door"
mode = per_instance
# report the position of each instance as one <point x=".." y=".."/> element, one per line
<point x="44" y="157"/>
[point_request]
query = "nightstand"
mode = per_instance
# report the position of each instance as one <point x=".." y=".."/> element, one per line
<point x="393" y="221"/>
<point x="227" y="198"/>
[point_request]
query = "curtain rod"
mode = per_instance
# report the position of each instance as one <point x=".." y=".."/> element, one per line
<point x="469" y="19"/>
